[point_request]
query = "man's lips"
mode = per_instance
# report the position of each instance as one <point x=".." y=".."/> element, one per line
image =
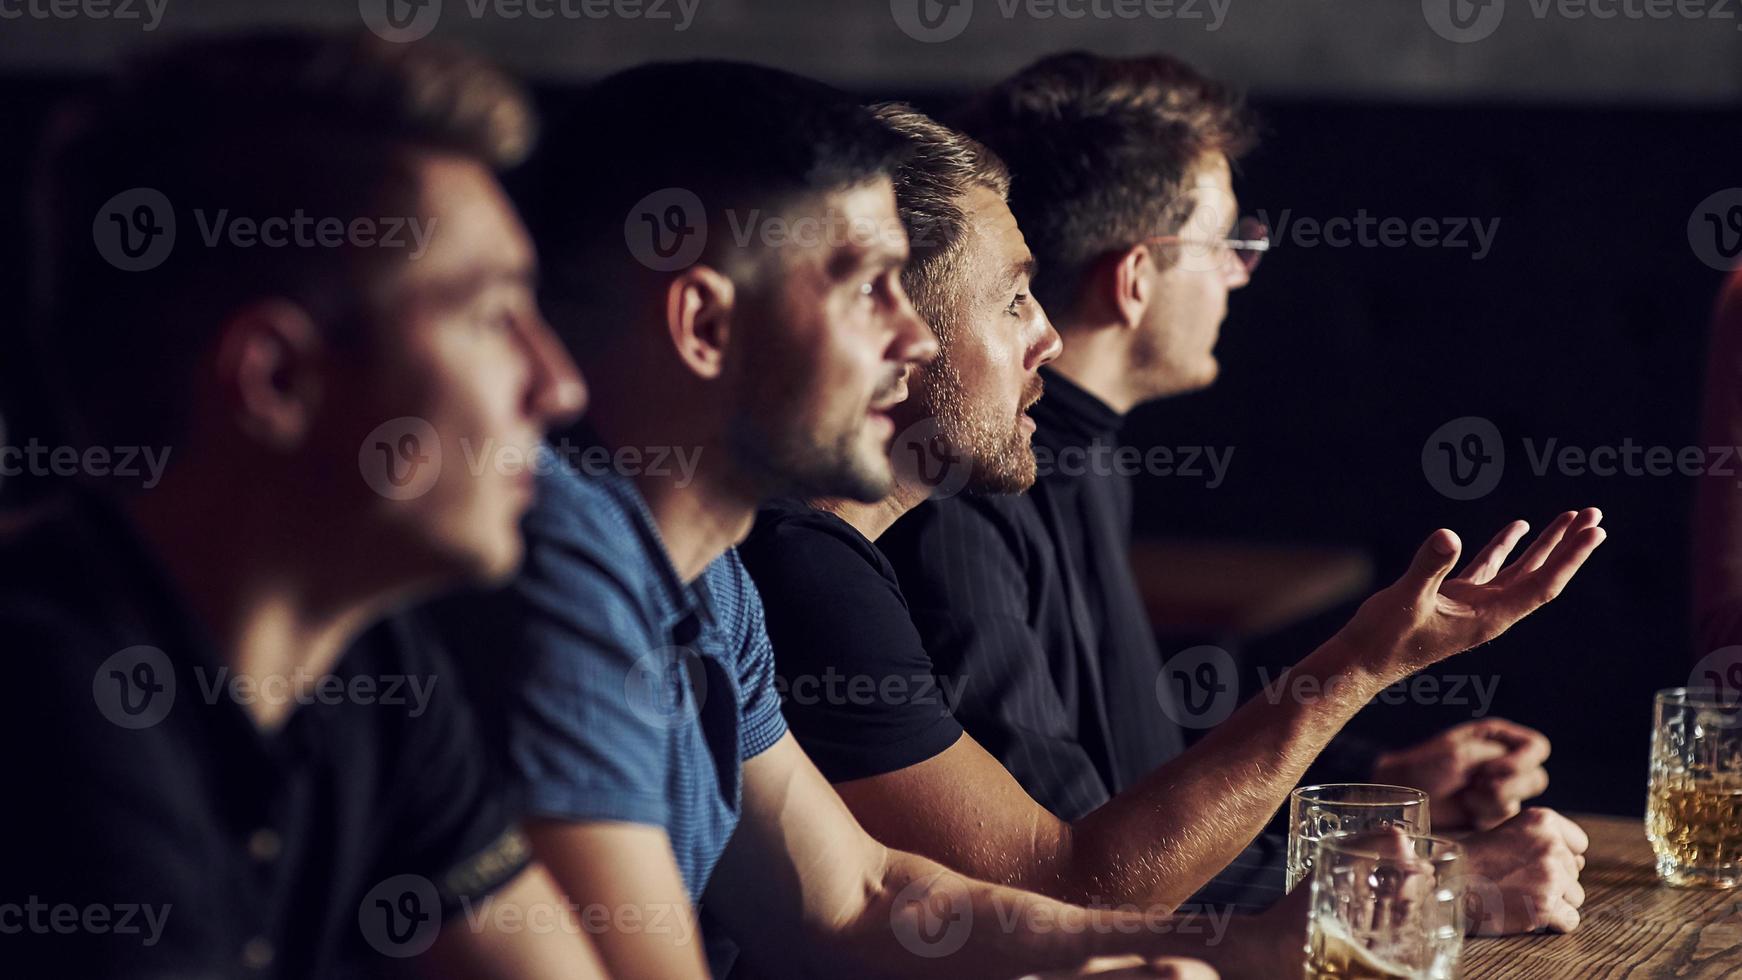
<point x="880" y="406"/>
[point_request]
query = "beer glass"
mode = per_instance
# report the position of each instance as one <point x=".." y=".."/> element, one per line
<point x="1693" y="811"/>
<point x="1315" y="812"/>
<point x="1386" y="904"/>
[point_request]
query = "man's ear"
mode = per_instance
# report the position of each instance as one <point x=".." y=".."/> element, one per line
<point x="268" y="366"/>
<point x="1118" y="289"/>
<point x="698" y="317"/>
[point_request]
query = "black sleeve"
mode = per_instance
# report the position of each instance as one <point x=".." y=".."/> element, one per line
<point x="962" y="565"/>
<point x="455" y="824"/>
<point x="855" y="681"/>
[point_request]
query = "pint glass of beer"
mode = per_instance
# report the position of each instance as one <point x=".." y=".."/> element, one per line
<point x="1386" y="904"/>
<point x="1315" y="812"/>
<point x="1693" y="812"/>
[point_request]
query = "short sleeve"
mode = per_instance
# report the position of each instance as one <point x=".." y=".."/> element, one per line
<point x="455" y="825"/>
<point x="859" y="689"/>
<point x="962" y="564"/>
<point x="573" y="667"/>
<point x="761" y="723"/>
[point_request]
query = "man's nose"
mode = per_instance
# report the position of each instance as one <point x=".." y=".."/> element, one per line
<point x="1235" y="272"/>
<point x="1047" y="346"/>
<point x="556" y="393"/>
<point x="914" y="340"/>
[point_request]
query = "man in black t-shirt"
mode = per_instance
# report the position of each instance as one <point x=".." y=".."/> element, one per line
<point x="226" y="757"/>
<point x="853" y="664"/>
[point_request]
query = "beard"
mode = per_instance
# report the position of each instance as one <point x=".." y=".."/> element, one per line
<point x="998" y="452"/>
<point x="798" y="459"/>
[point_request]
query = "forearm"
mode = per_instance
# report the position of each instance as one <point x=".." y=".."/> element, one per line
<point x="921" y="920"/>
<point x="1161" y="840"/>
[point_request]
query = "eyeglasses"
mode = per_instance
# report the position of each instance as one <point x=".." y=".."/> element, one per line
<point x="1248" y="243"/>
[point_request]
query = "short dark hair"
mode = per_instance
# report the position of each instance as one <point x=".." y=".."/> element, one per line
<point x="940" y="167"/>
<point x="1100" y="149"/>
<point x="265" y="125"/>
<point x="743" y="139"/>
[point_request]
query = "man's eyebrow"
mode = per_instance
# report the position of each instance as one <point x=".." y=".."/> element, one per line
<point x="1021" y="269"/>
<point x="482" y="277"/>
<point x="854" y="257"/>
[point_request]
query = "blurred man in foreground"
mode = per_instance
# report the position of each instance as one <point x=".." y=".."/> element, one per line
<point x="228" y="770"/>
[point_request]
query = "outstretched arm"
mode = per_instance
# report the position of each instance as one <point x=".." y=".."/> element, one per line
<point x="1165" y="837"/>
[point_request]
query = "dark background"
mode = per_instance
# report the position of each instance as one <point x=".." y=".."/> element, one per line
<point x="1586" y="322"/>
